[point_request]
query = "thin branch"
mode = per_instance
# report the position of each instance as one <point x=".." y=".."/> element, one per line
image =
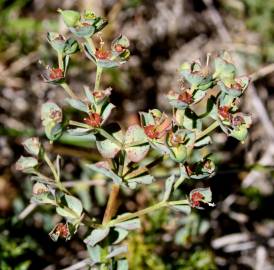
<point x="27" y="211"/>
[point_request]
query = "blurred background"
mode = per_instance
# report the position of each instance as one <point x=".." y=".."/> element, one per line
<point x="239" y="232"/>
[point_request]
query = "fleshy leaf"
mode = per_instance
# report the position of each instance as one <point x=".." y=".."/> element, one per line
<point x="74" y="204"/>
<point x="77" y="104"/>
<point x="94" y="253"/>
<point x="117" y="251"/>
<point x="122" y="234"/>
<point x="146" y="180"/>
<point x="122" y="264"/>
<point x="103" y="168"/>
<point x="32" y="146"/>
<point x="106" y="147"/>
<point x="136" y="143"/>
<point x="186" y="209"/>
<point x="130" y="225"/>
<point x="168" y="187"/>
<point x="26" y="164"/>
<point x="96" y="236"/>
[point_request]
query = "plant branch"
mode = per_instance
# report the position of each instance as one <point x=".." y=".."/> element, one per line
<point x="207" y="130"/>
<point x="145" y="211"/>
<point x="68" y="90"/>
<point x="112" y="204"/>
<point x="99" y="71"/>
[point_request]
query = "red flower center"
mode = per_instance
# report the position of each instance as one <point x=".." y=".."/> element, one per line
<point x="62" y="230"/>
<point x="151" y="131"/>
<point x="186" y="97"/>
<point x="224" y="112"/>
<point x="196" y="198"/>
<point x="94" y="120"/>
<point x="56" y="73"/>
<point x="101" y="54"/>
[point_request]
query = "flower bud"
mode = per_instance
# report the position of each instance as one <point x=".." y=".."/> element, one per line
<point x="70" y="17"/>
<point x="32" y="146"/>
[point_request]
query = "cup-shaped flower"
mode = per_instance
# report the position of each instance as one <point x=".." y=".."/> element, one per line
<point x="234" y="88"/>
<point x="197" y="76"/>
<point x="54" y="75"/>
<point x="104" y="58"/>
<point x="94" y="120"/>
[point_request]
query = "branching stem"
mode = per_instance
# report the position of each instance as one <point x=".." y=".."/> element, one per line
<point x="145" y="211"/>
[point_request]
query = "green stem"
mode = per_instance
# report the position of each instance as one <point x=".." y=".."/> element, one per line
<point x="99" y="71"/>
<point x="207" y="130"/>
<point x="52" y="168"/>
<point x="60" y="61"/>
<point x="55" y="174"/>
<point x="68" y="90"/>
<point x="145" y="211"/>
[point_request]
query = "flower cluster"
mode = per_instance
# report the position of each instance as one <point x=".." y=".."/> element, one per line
<point x="179" y="136"/>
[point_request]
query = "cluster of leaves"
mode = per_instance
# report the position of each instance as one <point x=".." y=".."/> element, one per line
<point x="178" y="137"/>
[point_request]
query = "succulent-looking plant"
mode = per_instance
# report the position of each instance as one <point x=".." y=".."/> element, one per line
<point x="177" y="137"/>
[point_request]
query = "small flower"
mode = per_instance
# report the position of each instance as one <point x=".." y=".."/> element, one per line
<point x="196" y="198"/>
<point x="39" y="188"/>
<point x="151" y="131"/>
<point x="101" y="54"/>
<point x="185" y="97"/>
<point x="99" y="95"/>
<point x="60" y="230"/>
<point x="56" y="73"/>
<point x="237" y="120"/>
<point x="224" y="112"/>
<point x="94" y="120"/>
<point x="160" y="129"/>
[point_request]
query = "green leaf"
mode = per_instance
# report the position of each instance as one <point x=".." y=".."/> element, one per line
<point x="122" y="234"/>
<point x="32" y="146"/>
<point x="26" y="164"/>
<point x="66" y="212"/>
<point x="117" y="251"/>
<point x="70" y="17"/>
<point x="240" y="133"/>
<point x="122" y="264"/>
<point x="83" y="31"/>
<point x="136" y="143"/>
<point x="77" y="104"/>
<point x="89" y="95"/>
<point x="71" y="46"/>
<point x="146" y="180"/>
<point x="204" y="141"/>
<point x="168" y="187"/>
<point x="108" y="148"/>
<point x="95" y="253"/>
<point x="104" y="168"/>
<point x="186" y="209"/>
<point x="106" y="112"/>
<point x="74" y="204"/>
<point x="96" y="236"/>
<point x="129" y="225"/>
<point x="146" y="119"/>
<point x="178" y="153"/>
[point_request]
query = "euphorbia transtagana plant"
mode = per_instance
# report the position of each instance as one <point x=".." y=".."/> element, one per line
<point x="179" y="136"/>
